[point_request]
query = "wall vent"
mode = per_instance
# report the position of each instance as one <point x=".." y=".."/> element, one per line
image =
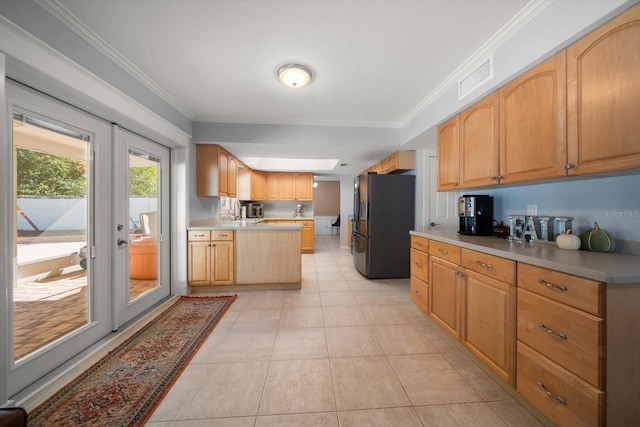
<point x="480" y="75"/>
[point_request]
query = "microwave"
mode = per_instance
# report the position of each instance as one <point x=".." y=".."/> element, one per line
<point x="255" y="210"/>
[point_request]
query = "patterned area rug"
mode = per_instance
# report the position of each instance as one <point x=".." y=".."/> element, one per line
<point x="125" y="386"/>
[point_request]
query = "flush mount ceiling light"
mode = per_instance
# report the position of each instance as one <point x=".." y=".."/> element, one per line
<point x="294" y="75"/>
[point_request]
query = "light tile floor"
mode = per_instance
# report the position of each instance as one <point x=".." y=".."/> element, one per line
<point x="342" y="351"/>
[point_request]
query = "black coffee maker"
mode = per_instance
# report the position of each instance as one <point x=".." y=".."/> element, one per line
<point x="476" y="215"/>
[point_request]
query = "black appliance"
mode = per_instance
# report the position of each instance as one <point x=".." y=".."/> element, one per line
<point x="383" y="215"/>
<point x="476" y="215"/>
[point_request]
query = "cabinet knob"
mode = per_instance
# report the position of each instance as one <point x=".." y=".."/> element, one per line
<point x="459" y="274"/>
<point x="418" y="293"/>
<point x="494" y="178"/>
<point x="569" y="166"/>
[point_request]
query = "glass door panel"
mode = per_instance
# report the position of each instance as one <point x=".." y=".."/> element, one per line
<point x="52" y="204"/>
<point x="144" y="181"/>
<point x="142" y="225"/>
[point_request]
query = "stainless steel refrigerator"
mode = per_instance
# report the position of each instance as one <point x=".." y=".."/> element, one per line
<point x="383" y="215"/>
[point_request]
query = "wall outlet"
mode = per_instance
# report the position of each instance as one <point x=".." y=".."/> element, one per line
<point x="532" y="210"/>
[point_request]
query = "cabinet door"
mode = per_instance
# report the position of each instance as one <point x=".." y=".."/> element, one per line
<point x="222" y="263"/>
<point x="223" y="171"/>
<point x="207" y="171"/>
<point x="489" y="323"/>
<point x="286" y="186"/>
<point x="232" y="177"/>
<point x="199" y="270"/>
<point x="479" y="144"/>
<point x="272" y="185"/>
<point x="603" y="73"/>
<point x="258" y="185"/>
<point x="307" y="239"/>
<point x="448" y="155"/>
<point x="445" y="294"/>
<point x="533" y="137"/>
<point x="304" y="186"/>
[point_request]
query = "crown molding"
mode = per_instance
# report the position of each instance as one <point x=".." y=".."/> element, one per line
<point x="77" y="26"/>
<point x="28" y="49"/>
<point x="326" y="123"/>
<point x="530" y="11"/>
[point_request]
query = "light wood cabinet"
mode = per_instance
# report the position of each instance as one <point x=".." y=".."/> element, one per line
<point x="480" y="144"/>
<point x="210" y="257"/>
<point x="252" y="185"/>
<point x="286" y="186"/>
<point x="307" y="236"/>
<point x="603" y="73"/>
<point x="216" y="171"/>
<point x="232" y="177"/>
<point x="304" y="186"/>
<point x="449" y="155"/>
<point x="420" y="272"/>
<point x="223" y="166"/>
<point x="258" y="185"/>
<point x="446" y="286"/>
<point x="273" y="186"/>
<point x="489" y="311"/>
<point x="533" y="137"/>
<point x="400" y="161"/>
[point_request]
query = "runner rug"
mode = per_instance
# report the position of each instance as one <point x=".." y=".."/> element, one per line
<point x="124" y="388"/>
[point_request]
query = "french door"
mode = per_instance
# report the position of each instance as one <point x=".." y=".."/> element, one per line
<point x="141" y="211"/>
<point x="88" y="233"/>
<point x="59" y="184"/>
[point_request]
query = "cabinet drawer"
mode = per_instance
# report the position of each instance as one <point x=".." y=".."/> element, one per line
<point x="198" y="235"/>
<point x="569" y="337"/>
<point x="445" y="251"/>
<point x="578" y="292"/>
<point x="221" y="235"/>
<point x="420" y="293"/>
<point x="499" y="268"/>
<point x="564" y="398"/>
<point x="420" y="265"/>
<point x="420" y="243"/>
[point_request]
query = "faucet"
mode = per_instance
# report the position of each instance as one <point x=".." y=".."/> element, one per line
<point x="236" y="210"/>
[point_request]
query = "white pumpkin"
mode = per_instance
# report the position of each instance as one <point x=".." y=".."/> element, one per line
<point x="568" y="241"/>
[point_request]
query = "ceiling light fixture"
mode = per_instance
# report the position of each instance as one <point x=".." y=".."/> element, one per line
<point x="294" y="75"/>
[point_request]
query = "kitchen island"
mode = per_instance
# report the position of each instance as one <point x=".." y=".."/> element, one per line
<point x="558" y="325"/>
<point x="228" y="255"/>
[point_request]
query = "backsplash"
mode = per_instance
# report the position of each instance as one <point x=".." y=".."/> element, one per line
<point x="612" y="202"/>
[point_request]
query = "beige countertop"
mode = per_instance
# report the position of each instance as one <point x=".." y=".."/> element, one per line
<point x="604" y="267"/>
<point x="240" y="224"/>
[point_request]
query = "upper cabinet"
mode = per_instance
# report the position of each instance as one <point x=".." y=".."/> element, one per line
<point x="258" y="185"/>
<point x="533" y="123"/>
<point x="575" y="113"/>
<point x="232" y="177"/>
<point x="223" y="165"/>
<point x="211" y="171"/>
<point x="304" y="186"/>
<point x="479" y="144"/>
<point x="603" y="74"/>
<point x="449" y="155"/>
<point x="398" y="162"/>
<point x="286" y="186"/>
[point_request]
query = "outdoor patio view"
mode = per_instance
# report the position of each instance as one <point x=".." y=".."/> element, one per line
<point x="52" y="183"/>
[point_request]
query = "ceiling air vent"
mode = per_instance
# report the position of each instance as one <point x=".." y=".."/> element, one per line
<point x="481" y="74"/>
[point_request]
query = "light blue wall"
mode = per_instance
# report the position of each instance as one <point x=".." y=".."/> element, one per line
<point x="613" y="202"/>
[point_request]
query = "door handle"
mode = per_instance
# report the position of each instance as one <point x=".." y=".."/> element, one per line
<point x="433" y="224"/>
<point x="123" y="242"/>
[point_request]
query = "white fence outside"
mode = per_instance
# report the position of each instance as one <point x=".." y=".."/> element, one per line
<point x="70" y="213"/>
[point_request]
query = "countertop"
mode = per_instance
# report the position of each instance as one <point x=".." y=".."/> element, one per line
<point x="242" y="224"/>
<point x="603" y="267"/>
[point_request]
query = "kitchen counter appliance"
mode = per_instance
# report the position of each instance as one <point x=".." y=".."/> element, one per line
<point x="255" y="210"/>
<point x="476" y="215"/>
<point x="383" y="216"/>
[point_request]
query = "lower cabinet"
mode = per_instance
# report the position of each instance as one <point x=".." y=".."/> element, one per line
<point x="210" y="257"/>
<point x="420" y="272"/>
<point x="306" y="236"/>
<point x="446" y="286"/>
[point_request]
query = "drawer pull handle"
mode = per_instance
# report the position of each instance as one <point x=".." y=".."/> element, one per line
<point x="552" y="333"/>
<point x="552" y="286"/>
<point x="443" y="251"/>
<point x="484" y="264"/>
<point x="459" y="274"/>
<point x="560" y="400"/>
<point x="418" y="264"/>
<point x="418" y="293"/>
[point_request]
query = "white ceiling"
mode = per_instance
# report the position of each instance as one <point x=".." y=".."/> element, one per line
<point x="374" y="61"/>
